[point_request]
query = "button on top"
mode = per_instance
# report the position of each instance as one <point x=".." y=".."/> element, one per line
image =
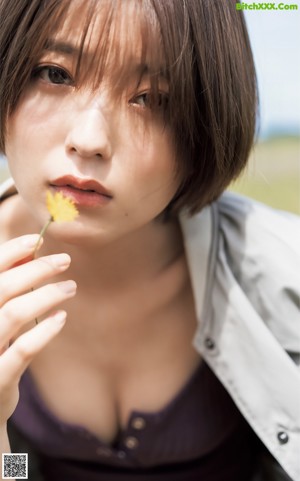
<point x="138" y="423"/>
<point x="103" y="451"/>
<point x="131" y="442"/>
<point x="121" y="454"/>
<point x="282" y="437"/>
<point x="209" y="343"/>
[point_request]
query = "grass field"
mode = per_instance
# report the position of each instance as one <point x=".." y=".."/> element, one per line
<point x="272" y="175"/>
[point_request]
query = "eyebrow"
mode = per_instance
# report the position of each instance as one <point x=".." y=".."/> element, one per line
<point x="66" y="48"/>
<point x="61" y="47"/>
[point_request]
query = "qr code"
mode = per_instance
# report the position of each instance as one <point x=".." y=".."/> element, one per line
<point x="15" y="466"/>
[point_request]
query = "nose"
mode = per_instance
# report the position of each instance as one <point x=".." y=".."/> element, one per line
<point x="89" y="136"/>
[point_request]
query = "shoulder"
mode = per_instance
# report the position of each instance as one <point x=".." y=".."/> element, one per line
<point x="257" y="235"/>
<point x="13" y="213"/>
<point x="262" y="249"/>
<point x="7" y="188"/>
<point x="248" y="218"/>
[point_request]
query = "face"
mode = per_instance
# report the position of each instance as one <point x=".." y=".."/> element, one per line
<point x="107" y="148"/>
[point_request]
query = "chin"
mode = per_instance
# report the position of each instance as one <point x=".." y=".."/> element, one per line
<point x="67" y="232"/>
<point x="78" y="235"/>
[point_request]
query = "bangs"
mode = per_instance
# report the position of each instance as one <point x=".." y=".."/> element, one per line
<point x="200" y="49"/>
<point x="116" y="39"/>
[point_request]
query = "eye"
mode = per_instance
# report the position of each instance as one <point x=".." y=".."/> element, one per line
<point x="53" y="75"/>
<point x="150" y="100"/>
<point x="144" y="100"/>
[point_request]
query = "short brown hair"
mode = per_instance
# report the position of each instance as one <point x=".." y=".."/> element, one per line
<point x="208" y="60"/>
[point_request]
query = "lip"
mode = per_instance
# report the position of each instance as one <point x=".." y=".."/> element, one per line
<point x="84" y="192"/>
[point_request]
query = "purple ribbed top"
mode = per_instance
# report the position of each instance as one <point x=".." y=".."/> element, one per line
<point x="200" y="434"/>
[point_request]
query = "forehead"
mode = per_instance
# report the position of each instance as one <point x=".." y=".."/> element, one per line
<point x="109" y="35"/>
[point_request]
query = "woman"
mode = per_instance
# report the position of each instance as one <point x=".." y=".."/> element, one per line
<point x="172" y="364"/>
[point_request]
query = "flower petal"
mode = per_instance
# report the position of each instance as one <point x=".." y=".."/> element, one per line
<point x="60" y="208"/>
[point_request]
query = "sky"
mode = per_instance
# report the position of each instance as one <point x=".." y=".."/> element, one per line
<point x="275" y="41"/>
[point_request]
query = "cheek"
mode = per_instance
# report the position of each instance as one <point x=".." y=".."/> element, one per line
<point x="19" y="148"/>
<point x="152" y="171"/>
<point x="26" y="143"/>
<point x="32" y="135"/>
<point x="33" y="121"/>
<point x="158" y="158"/>
<point x="14" y="144"/>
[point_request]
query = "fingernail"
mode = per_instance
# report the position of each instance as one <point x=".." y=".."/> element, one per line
<point x="31" y="241"/>
<point x="60" y="317"/>
<point x="60" y="260"/>
<point x="68" y="287"/>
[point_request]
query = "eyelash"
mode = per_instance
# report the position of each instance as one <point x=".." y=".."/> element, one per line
<point x="63" y="75"/>
<point x="149" y="100"/>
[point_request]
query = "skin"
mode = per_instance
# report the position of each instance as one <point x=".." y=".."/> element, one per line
<point x="131" y="324"/>
<point x="116" y="139"/>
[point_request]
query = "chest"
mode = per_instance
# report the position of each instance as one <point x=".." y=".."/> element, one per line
<point x="96" y="377"/>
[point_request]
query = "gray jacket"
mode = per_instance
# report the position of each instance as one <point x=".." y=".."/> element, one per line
<point x="244" y="264"/>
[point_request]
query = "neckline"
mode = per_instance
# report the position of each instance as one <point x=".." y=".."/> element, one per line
<point x="156" y="416"/>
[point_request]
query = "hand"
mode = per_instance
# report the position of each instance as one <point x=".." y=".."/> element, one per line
<point x="19" y="305"/>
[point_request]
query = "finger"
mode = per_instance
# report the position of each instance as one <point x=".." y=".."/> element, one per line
<point x="18" y="356"/>
<point x="20" y="279"/>
<point x="22" y="261"/>
<point x="23" y="309"/>
<point x="17" y="249"/>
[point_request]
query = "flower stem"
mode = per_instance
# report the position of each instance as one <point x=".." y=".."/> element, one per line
<point x="45" y="227"/>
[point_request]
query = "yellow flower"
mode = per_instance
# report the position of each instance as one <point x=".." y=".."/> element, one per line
<point x="60" y="208"/>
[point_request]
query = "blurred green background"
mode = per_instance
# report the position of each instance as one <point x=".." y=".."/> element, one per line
<point x="272" y="175"/>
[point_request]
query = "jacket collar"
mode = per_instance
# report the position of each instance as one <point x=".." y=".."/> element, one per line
<point x="197" y="236"/>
